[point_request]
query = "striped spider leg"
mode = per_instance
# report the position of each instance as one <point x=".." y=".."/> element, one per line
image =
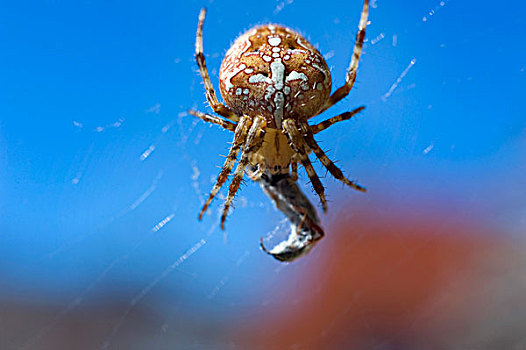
<point x="218" y="107"/>
<point x="350" y="78"/>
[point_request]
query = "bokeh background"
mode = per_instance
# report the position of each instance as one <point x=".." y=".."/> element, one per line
<point x="102" y="175"/>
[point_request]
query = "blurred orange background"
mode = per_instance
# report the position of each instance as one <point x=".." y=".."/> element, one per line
<point x="398" y="283"/>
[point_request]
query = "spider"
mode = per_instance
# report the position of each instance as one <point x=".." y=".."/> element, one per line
<point x="273" y="81"/>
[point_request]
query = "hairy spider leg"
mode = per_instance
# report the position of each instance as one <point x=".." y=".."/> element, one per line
<point x="239" y="138"/>
<point x="331" y="121"/>
<point x="298" y="144"/>
<point x="213" y="119"/>
<point x="351" y="71"/>
<point x="218" y="107"/>
<point x="253" y="143"/>
<point x="329" y="164"/>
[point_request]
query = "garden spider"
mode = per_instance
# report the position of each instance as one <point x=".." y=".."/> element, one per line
<point x="273" y="81"/>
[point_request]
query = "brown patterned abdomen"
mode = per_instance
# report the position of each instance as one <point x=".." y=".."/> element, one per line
<point x="274" y="72"/>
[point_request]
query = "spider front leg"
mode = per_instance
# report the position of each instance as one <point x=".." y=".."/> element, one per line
<point x="213" y="119"/>
<point x="331" y="121"/>
<point x="298" y="144"/>
<point x="218" y="107"/>
<point x="351" y="72"/>
<point x="239" y="138"/>
<point x="252" y="144"/>
<point x="331" y="167"/>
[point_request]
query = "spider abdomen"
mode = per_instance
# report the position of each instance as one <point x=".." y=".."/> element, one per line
<point x="274" y="72"/>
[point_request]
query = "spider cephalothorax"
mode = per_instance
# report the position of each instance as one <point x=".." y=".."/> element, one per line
<point x="273" y="81"/>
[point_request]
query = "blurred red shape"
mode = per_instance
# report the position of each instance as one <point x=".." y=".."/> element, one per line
<point x="387" y="281"/>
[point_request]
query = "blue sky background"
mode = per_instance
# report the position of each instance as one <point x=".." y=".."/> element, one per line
<point x="86" y="88"/>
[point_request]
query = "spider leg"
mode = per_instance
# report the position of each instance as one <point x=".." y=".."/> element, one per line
<point x="351" y="72"/>
<point x="294" y="171"/>
<point x="218" y="107"/>
<point x="252" y="144"/>
<point x="331" y="167"/>
<point x="213" y="119"/>
<point x="328" y="122"/>
<point x="298" y="144"/>
<point x="239" y="138"/>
